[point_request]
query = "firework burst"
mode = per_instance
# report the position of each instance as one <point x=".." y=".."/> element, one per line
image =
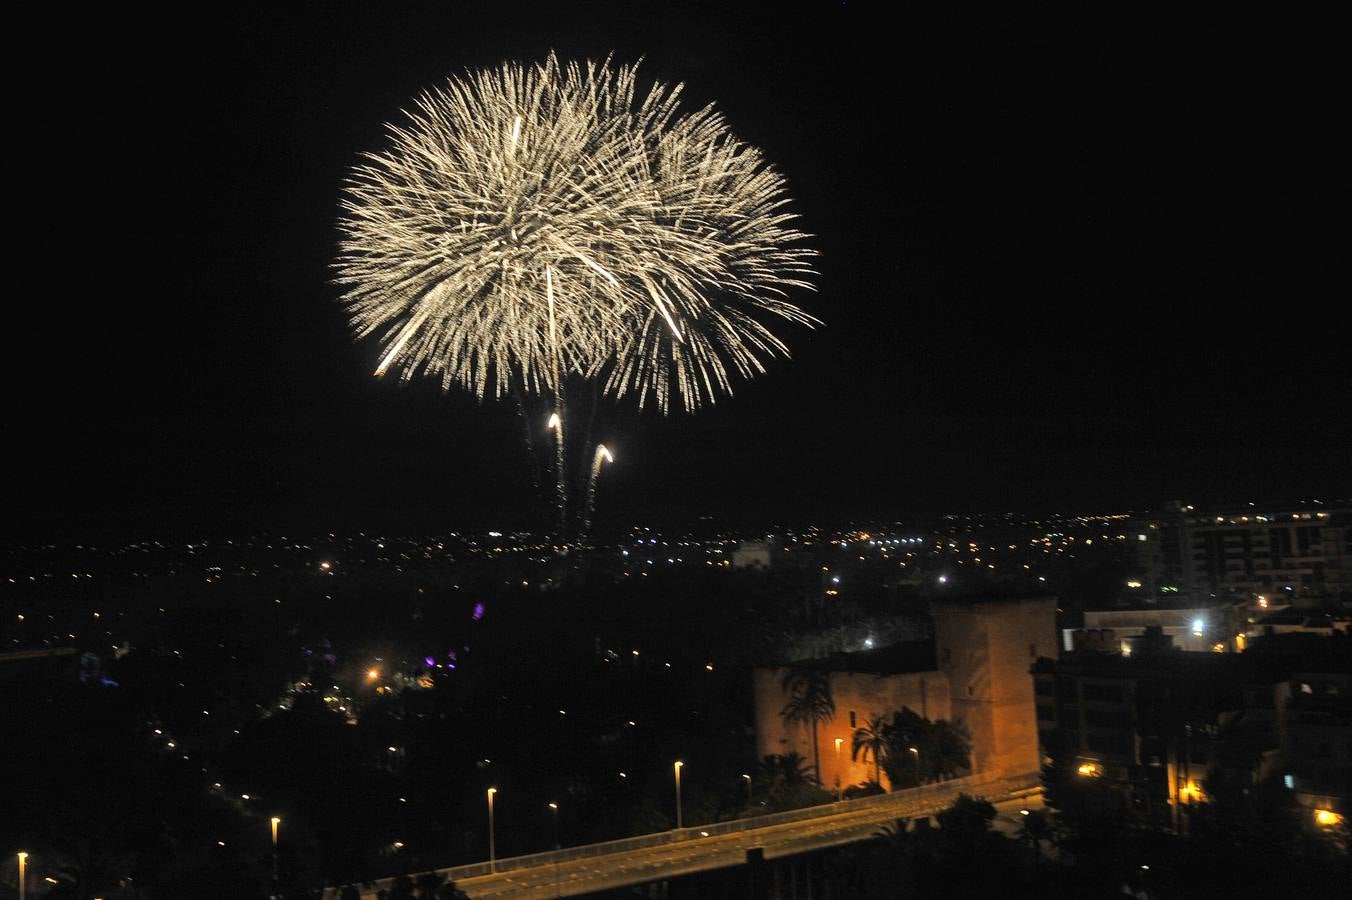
<point x="527" y="224"/>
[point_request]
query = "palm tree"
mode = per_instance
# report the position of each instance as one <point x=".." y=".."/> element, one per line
<point x="870" y="739"/>
<point x="810" y="701"/>
<point x="906" y="748"/>
<point x="787" y="782"/>
<point x="788" y="769"/>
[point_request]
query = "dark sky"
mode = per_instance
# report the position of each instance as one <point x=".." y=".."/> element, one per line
<point x="1070" y="263"/>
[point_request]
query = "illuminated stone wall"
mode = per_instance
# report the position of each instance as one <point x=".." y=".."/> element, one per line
<point x="864" y="694"/>
<point x="986" y="648"/>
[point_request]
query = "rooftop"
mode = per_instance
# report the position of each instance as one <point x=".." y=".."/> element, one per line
<point x="894" y="659"/>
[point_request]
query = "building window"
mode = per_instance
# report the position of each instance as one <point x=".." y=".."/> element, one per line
<point x="852" y="720"/>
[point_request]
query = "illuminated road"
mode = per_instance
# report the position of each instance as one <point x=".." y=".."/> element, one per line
<point x="570" y="877"/>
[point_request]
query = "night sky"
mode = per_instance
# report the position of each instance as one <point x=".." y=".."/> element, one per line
<point x="1074" y="264"/>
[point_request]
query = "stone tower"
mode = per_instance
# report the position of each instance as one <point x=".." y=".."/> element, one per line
<point x="986" y="647"/>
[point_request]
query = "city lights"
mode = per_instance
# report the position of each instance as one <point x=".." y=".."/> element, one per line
<point x="764" y="336"/>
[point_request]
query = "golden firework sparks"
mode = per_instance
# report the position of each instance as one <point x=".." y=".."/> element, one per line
<point x="537" y="222"/>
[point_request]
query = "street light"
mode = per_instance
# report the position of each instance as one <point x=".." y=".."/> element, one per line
<point x="677" y="768"/>
<point x="276" y="820"/>
<point x="747" y="779"/>
<point x="1324" y="818"/>
<point x="23" y="866"/>
<point x="840" y="793"/>
<point x="492" y="847"/>
<point x="916" y="751"/>
<point x="554" y="808"/>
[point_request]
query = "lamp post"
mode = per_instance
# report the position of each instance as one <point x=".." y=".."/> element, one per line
<point x="917" y="763"/>
<point x="840" y="792"/>
<point x="747" y="779"/>
<point x="492" y="846"/>
<point x="276" y="821"/>
<point x="554" y="808"/>
<point x="23" y="867"/>
<point x="677" y="768"/>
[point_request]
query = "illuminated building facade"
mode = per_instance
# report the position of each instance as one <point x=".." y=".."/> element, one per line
<point x="1215" y="626"/>
<point x="974" y="671"/>
<point x="1288" y="553"/>
<point x="1157" y="723"/>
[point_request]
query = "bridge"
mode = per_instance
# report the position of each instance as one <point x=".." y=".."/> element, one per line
<point x="670" y="854"/>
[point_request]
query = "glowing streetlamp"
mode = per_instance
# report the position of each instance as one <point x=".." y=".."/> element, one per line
<point x="492" y="846"/>
<point x="840" y="793"/>
<point x="677" y="769"/>
<point x="558" y="845"/>
<point x="276" y="821"/>
<point x="23" y="867"/>
<point x="1324" y="818"/>
<point x="747" y="779"/>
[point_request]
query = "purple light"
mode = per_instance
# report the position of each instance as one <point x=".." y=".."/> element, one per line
<point x="478" y="611"/>
<point x="430" y="661"/>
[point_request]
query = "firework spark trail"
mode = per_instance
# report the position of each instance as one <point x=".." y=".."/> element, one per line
<point x="547" y="221"/>
<point x="556" y="384"/>
<point x="555" y="425"/>
<point x="601" y="455"/>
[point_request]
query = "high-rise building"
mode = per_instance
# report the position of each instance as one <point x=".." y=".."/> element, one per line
<point x="1293" y="555"/>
